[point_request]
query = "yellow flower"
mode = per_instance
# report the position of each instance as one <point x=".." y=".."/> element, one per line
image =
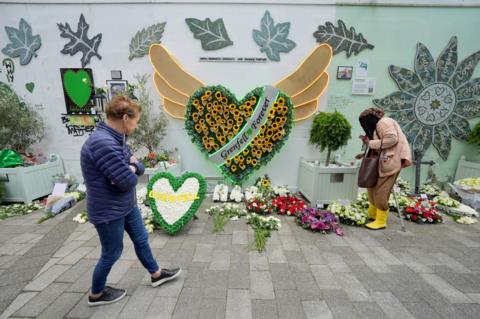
<point x="218" y="95"/>
<point x="265" y="182"/>
<point x="245" y="152"/>
<point x="233" y="168"/>
<point x="242" y="166"/>
<point x="254" y="162"/>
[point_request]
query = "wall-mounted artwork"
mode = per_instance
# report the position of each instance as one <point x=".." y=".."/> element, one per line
<point x="341" y="39"/>
<point x="79" y="41"/>
<point x="144" y="38"/>
<point x="80" y="125"/>
<point x="213" y="35"/>
<point x="273" y="38"/>
<point x="239" y="136"/>
<point x="9" y="66"/>
<point x="23" y="44"/>
<point x="78" y="90"/>
<point x="436" y="99"/>
<point x="30" y="86"/>
<point x="344" y="72"/>
<point x="116" y="87"/>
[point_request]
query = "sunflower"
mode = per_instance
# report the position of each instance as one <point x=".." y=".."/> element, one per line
<point x="435" y="100"/>
<point x="265" y="182"/>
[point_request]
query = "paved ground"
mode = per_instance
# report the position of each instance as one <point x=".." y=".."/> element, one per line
<point x="431" y="271"/>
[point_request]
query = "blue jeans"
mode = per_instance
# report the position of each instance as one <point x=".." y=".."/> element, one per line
<point x="111" y="238"/>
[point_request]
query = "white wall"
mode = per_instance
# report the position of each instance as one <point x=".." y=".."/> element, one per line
<point x="119" y="22"/>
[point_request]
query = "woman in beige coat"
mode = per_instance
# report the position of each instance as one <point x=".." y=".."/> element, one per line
<point x="388" y="140"/>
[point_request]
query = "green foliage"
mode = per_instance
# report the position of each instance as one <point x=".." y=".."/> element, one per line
<point x="219" y="222"/>
<point x="20" y="125"/>
<point x="330" y="131"/>
<point x="151" y="127"/>
<point x="474" y="137"/>
<point x="18" y="210"/>
<point x="2" y="191"/>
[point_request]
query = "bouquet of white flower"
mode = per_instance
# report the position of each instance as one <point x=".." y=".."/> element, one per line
<point x="469" y="184"/>
<point x="220" y="193"/>
<point x="81" y="218"/>
<point x="349" y="214"/>
<point x="466" y="220"/>
<point x="252" y="192"/>
<point x="281" y="190"/>
<point x="236" y="194"/>
<point x="150" y="224"/>
<point x="444" y="200"/>
<point x="430" y="190"/>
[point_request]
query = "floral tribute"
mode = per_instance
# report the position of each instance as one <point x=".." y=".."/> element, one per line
<point x="319" y="220"/>
<point x="287" y="205"/>
<point x="423" y="211"/>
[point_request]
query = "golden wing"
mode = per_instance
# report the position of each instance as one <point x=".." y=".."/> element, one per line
<point x="308" y="82"/>
<point x="173" y="83"/>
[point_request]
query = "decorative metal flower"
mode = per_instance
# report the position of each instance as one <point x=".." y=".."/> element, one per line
<point x="435" y="101"/>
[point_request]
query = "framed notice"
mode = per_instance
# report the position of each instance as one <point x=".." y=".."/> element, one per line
<point x="363" y="86"/>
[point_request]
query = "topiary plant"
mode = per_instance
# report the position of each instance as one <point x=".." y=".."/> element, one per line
<point x="330" y="131"/>
<point x="20" y="125"/>
<point x="474" y="137"/>
<point x="151" y="128"/>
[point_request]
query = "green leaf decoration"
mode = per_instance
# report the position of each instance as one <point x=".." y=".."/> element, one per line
<point x="213" y="35"/>
<point x="79" y="41"/>
<point x="30" y="86"/>
<point x="174" y="201"/>
<point x="341" y="39"/>
<point x="23" y="43"/>
<point x="272" y="38"/>
<point x="143" y="39"/>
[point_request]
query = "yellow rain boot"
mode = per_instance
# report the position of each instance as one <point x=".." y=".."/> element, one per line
<point x="380" y="222"/>
<point x="372" y="211"/>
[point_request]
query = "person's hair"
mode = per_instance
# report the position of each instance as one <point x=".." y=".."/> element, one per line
<point x="121" y="105"/>
<point x="369" y="118"/>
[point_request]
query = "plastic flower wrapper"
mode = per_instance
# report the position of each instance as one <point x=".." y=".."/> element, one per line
<point x="444" y="200"/>
<point x="287" y="205"/>
<point x="236" y="194"/>
<point x="349" y="214"/>
<point x="320" y="220"/>
<point x="466" y="220"/>
<point x="430" y="190"/>
<point x="469" y="184"/>
<point x="423" y="211"/>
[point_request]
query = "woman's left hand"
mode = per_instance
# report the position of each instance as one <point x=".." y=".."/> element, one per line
<point x="133" y="159"/>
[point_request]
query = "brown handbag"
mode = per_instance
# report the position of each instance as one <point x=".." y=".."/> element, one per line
<point x="368" y="172"/>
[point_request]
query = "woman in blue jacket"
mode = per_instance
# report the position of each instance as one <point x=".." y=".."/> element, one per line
<point x="110" y="173"/>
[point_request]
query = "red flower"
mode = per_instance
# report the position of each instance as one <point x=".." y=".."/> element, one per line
<point x="151" y="155"/>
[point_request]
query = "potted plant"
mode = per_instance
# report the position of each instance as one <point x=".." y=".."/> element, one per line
<point x="321" y="182"/>
<point x="150" y="132"/>
<point x="21" y="127"/>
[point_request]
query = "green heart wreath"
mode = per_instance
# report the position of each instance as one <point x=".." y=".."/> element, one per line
<point x="174" y="201"/>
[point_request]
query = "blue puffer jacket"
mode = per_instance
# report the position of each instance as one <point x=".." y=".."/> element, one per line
<point x="110" y="182"/>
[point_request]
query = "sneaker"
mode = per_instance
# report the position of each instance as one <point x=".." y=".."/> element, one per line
<point x="166" y="275"/>
<point x="109" y="295"/>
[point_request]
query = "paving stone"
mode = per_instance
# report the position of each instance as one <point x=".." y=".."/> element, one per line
<point x="75" y="272"/>
<point x="261" y="286"/>
<point x="258" y="261"/>
<point x="369" y="310"/>
<point x="264" y="309"/>
<point x="42" y="300"/>
<point x="75" y="256"/>
<point x="452" y="263"/>
<point x="110" y="311"/>
<point x="25" y="238"/>
<point x="444" y="288"/>
<point x="239" y="276"/>
<point x="82" y="309"/>
<point x="281" y="277"/>
<point x="203" y="253"/>
<point x="474" y="297"/>
<point x="386" y="256"/>
<point x="392" y="307"/>
<point x="353" y="287"/>
<point x="275" y="254"/>
<point x="441" y="304"/>
<point x="118" y="271"/>
<point x="355" y="244"/>
<point x="239" y="305"/>
<point x="239" y="237"/>
<point x="239" y="254"/>
<point x="18" y="303"/>
<point x="68" y="248"/>
<point x="307" y="288"/>
<point x="413" y="264"/>
<point x="161" y="307"/>
<point x="132" y="279"/>
<point x="316" y="309"/>
<point x="138" y="304"/>
<point x="289" y="304"/>
<point x="220" y="259"/>
<point x="189" y="303"/>
<point x="421" y="310"/>
<point x="173" y="288"/>
<point x="213" y="308"/>
<point x="61" y="306"/>
<point x="47" y="265"/>
<point x="462" y="282"/>
<point x="374" y="263"/>
<point x="469" y="309"/>
<point x="324" y="277"/>
<point x="46" y="278"/>
<point x="313" y="255"/>
<point x="289" y="243"/>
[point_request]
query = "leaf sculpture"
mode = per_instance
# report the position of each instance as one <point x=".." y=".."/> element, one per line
<point x="213" y="35"/>
<point x="272" y="38"/>
<point x="23" y="43"/>
<point x="144" y="38"/>
<point x="341" y="39"/>
<point x="79" y="41"/>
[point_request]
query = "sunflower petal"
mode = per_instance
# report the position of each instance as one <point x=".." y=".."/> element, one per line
<point x="403" y="117"/>
<point x="468" y="108"/>
<point x="469" y="90"/>
<point x="459" y="127"/>
<point x="396" y="101"/>
<point x="442" y="140"/>
<point x="447" y="61"/>
<point x="465" y="69"/>
<point x="424" y="65"/>
<point x="406" y="80"/>
<point x="423" y="140"/>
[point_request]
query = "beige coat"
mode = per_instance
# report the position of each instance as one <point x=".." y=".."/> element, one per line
<point x="396" y="152"/>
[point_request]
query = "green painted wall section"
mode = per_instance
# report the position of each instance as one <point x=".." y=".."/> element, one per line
<point x="395" y="32"/>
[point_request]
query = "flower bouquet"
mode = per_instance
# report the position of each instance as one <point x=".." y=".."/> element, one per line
<point x="349" y="214"/>
<point x="444" y="200"/>
<point x="153" y="159"/>
<point x="287" y="205"/>
<point x="262" y="226"/>
<point x="423" y="211"/>
<point x="431" y="190"/>
<point x="220" y="193"/>
<point x="236" y="194"/>
<point x="222" y="213"/>
<point x="471" y="184"/>
<point x="81" y="218"/>
<point x="252" y="192"/>
<point x="403" y="186"/>
<point x="264" y="186"/>
<point x="465" y="220"/>
<point x="259" y="205"/>
<point x="320" y="220"/>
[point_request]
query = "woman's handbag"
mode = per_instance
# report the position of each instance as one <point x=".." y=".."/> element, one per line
<point x="368" y="172"/>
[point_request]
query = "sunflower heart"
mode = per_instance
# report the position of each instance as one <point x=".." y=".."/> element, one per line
<point x="174" y="201"/>
<point x="239" y="136"/>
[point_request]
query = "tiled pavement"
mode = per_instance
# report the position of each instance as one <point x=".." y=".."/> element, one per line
<point x="431" y="271"/>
